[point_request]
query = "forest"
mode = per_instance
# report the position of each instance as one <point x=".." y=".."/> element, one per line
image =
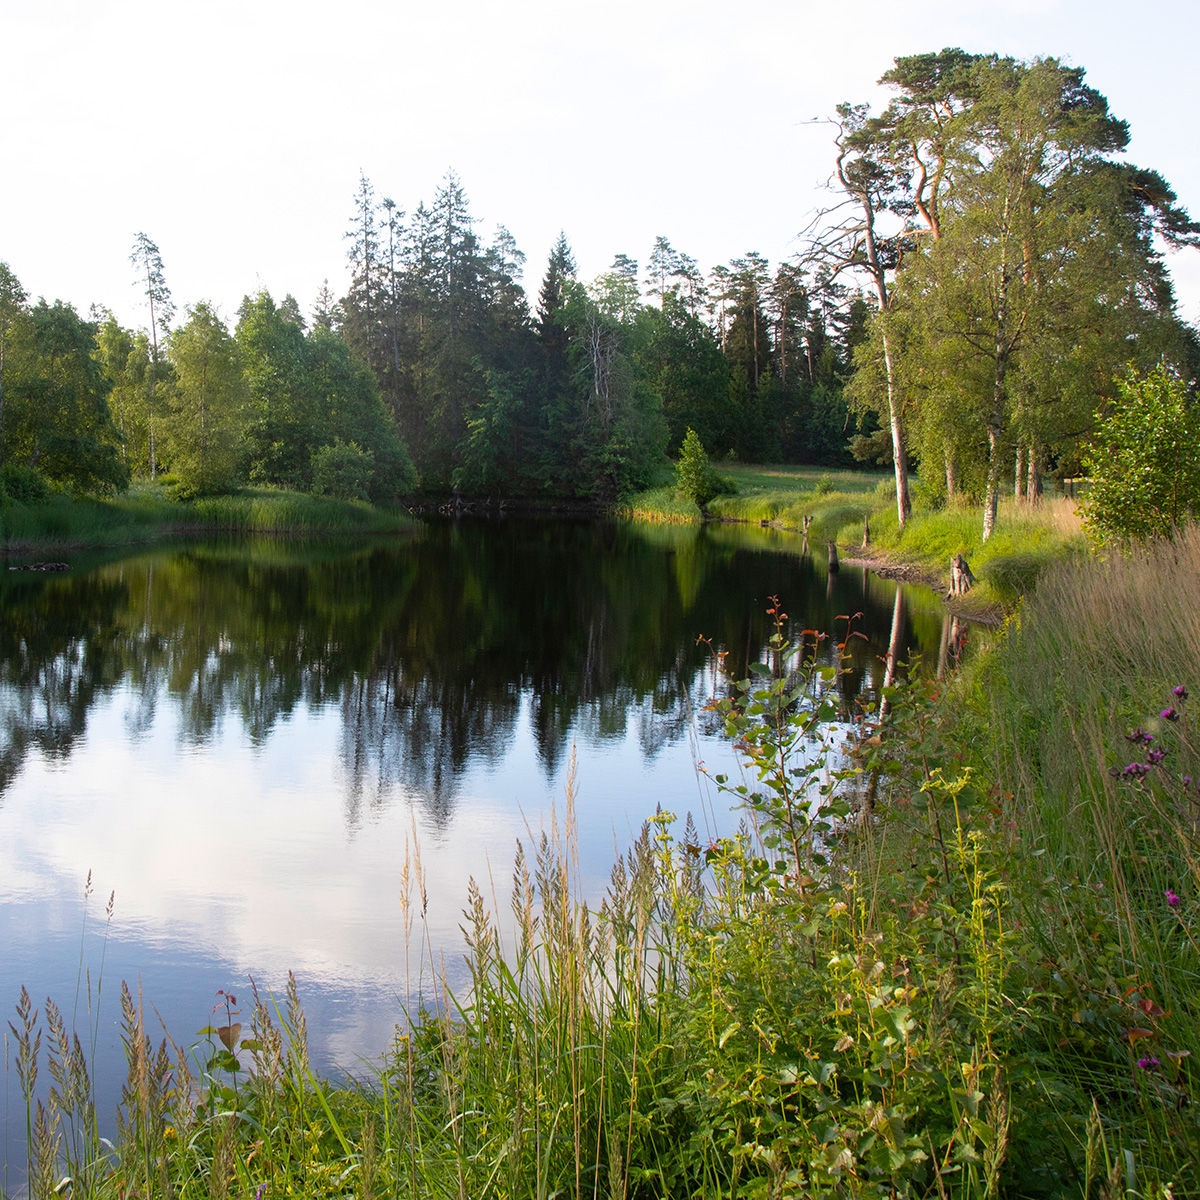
<point x="987" y="271"/>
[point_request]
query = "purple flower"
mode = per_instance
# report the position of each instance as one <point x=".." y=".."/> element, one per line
<point x="1179" y="692"/>
<point x="1148" y="1063"/>
<point x="1169" y="714"/>
<point x="1136" y="770"/>
<point x="1172" y="899"/>
<point x="1138" y="735"/>
<point x="1156" y="756"/>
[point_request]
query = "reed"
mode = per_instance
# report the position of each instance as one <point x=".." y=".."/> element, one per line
<point x="150" y="513"/>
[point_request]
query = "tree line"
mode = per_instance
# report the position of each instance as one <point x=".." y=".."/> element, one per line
<point x="433" y="371"/>
<point x="993" y="267"/>
<point x="1015" y="268"/>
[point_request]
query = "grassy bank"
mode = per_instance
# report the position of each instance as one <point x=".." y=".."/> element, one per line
<point x="146" y="513"/>
<point x="840" y="505"/>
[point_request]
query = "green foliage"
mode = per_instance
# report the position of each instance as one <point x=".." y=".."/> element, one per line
<point x="207" y="399"/>
<point x="23" y="485"/>
<point x="1090" y="740"/>
<point x="695" y="478"/>
<point x="1015" y="165"/>
<point x="1012" y="576"/>
<point x="55" y="401"/>
<point x="343" y="470"/>
<point x="148" y="513"/>
<point x="1144" y="464"/>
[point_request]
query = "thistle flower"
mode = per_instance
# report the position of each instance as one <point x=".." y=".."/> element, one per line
<point x="1180" y="692"/>
<point x="1172" y="899"/>
<point x="1169" y="714"/>
<point x="1149" y="1063"/>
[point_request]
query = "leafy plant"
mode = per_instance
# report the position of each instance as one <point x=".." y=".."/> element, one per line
<point x="1144" y="464"/>
<point x="695" y="476"/>
<point x="24" y="485"/>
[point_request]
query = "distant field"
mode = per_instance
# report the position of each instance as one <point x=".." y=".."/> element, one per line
<point x="752" y="478"/>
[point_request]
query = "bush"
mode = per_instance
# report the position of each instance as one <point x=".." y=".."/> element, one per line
<point x="1145" y="462"/>
<point x="24" y="485"/>
<point x="343" y="470"/>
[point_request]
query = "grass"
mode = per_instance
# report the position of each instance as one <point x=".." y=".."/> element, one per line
<point x="147" y="512"/>
<point x="974" y="972"/>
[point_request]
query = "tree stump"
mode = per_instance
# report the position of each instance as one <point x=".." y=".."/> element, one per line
<point x="961" y="578"/>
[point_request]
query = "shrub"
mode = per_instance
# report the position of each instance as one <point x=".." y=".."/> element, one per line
<point x="343" y="470"/>
<point x="25" y="485"/>
<point x="1145" y="462"/>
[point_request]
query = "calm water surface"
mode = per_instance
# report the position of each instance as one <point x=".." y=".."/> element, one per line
<point x="242" y="740"/>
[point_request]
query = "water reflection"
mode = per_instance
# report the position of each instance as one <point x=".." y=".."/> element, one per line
<point x="243" y="738"/>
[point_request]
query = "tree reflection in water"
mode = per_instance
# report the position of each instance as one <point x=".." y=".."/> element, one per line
<point x="431" y="646"/>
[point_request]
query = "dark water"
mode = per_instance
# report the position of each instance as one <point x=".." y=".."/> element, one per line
<point x="243" y="740"/>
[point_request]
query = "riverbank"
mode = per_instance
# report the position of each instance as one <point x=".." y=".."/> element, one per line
<point x="62" y="523"/>
<point x="857" y="511"/>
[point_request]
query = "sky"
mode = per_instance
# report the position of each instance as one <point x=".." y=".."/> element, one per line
<point x="234" y="133"/>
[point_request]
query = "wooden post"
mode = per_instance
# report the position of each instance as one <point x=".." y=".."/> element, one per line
<point x="866" y="532"/>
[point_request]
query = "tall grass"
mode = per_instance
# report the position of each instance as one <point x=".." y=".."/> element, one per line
<point x="1095" y="760"/>
<point x="148" y="513"/>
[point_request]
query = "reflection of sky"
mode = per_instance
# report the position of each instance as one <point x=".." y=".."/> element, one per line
<point x="231" y="859"/>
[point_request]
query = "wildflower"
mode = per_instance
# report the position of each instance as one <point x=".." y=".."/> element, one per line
<point x="1180" y="692"/>
<point x="1169" y="714"/>
<point x="1156" y="756"/>
<point x="1136" y="770"/>
<point x="1148" y="1063"/>
<point x="1172" y="899"/>
<point x="1138" y="735"/>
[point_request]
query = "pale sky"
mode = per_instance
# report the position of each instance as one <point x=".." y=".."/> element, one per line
<point x="233" y="133"/>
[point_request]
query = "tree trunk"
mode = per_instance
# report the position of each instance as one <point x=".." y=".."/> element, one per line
<point x="951" y="474"/>
<point x="991" y="499"/>
<point x="899" y="455"/>
<point x="1033" y="489"/>
<point x="1019" y="474"/>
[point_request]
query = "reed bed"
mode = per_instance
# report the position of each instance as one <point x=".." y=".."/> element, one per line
<point x="150" y="513"/>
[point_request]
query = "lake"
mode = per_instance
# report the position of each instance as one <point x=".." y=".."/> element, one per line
<point x="242" y="740"/>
